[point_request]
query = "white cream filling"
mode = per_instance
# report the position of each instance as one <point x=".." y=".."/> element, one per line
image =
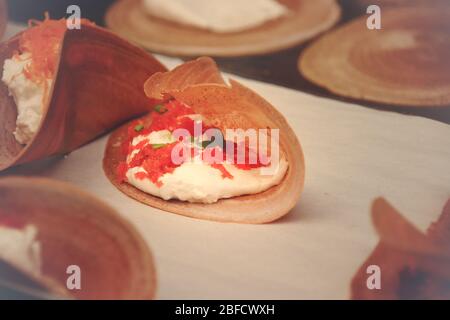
<point x="28" y="97"/>
<point x="197" y="181"/>
<point x="217" y="15"/>
<point x="20" y="248"/>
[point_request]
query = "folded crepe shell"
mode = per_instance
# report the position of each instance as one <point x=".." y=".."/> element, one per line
<point x="403" y="64"/>
<point x="75" y="228"/>
<point x="3" y="17"/>
<point x="413" y="265"/>
<point x="98" y="85"/>
<point x="232" y="106"/>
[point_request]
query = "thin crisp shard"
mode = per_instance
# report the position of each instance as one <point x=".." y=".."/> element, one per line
<point x="198" y="83"/>
<point x="439" y="231"/>
<point x="395" y="230"/>
<point x="201" y="71"/>
<point x="414" y="265"/>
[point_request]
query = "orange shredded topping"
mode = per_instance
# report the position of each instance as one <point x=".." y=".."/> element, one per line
<point x="43" y="41"/>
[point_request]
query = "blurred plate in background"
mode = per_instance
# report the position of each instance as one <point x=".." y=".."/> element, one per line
<point x="306" y="19"/>
<point x="74" y="228"/>
<point x="405" y="63"/>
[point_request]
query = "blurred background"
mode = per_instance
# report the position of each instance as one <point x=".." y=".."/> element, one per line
<point x="23" y="10"/>
<point x="278" y="68"/>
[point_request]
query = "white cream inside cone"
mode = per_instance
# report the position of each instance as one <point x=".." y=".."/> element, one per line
<point x="29" y="97"/>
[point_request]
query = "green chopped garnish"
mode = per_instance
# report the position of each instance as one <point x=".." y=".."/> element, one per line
<point x="139" y="127"/>
<point x="158" y="145"/>
<point x="160" y="108"/>
<point x="206" y="143"/>
<point x="213" y="143"/>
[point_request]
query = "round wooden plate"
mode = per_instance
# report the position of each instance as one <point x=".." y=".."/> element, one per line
<point x="405" y="63"/>
<point x="75" y="228"/>
<point x="306" y="19"/>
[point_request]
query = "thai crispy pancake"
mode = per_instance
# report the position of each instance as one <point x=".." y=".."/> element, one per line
<point x="199" y="85"/>
<point x="96" y="87"/>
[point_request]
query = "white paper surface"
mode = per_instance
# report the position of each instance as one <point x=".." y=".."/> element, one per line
<point x="353" y="155"/>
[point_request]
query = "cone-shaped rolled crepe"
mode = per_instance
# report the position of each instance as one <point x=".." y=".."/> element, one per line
<point x="3" y="17"/>
<point x="97" y="86"/>
<point x="405" y="63"/>
<point x="232" y="107"/>
<point x="413" y="265"/>
<point x="74" y="228"/>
